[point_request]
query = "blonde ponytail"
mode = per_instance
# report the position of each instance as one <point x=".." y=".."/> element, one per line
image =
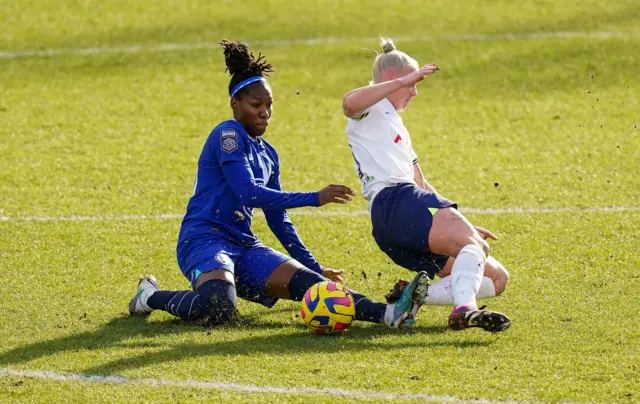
<point x="387" y="45"/>
<point x="391" y="58"/>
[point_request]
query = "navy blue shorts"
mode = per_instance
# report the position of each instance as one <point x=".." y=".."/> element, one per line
<point x="251" y="266"/>
<point x="402" y="216"/>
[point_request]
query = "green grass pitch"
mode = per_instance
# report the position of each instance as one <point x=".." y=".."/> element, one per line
<point x="537" y="107"/>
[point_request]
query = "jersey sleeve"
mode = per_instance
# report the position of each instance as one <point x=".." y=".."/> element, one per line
<point x="363" y="114"/>
<point x="282" y="227"/>
<point x="231" y="152"/>
<point x="229" y="146"/>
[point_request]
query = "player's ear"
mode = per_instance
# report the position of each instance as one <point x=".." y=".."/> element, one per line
<point x="234" y="103"/>
<point x="388" y="74"/>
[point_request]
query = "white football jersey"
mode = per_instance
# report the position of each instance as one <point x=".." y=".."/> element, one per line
<point x="381" y="147"/>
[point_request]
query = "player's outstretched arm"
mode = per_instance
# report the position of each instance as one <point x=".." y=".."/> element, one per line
<point x="286" y="233"/>
<point x="359" y="100"/>
<point x="284" y="230"/>
<point x="230" y="149"/>
<point x="335" y="194"/>
<point x="242" y="183"/>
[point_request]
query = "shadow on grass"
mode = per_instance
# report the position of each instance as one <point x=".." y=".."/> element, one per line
<point x="117" y="332"/>
<point x="301" y="343"/>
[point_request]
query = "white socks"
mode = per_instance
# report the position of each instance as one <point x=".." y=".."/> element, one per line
<point x="466" y="275"/>
<point x="440" y="293"/>
<point x="388" y="314"/>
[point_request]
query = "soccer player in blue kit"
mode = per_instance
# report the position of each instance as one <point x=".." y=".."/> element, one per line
<point x="217" y="251"/>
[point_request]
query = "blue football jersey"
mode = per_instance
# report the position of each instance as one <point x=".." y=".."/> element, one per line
<point x="236" y="174"/>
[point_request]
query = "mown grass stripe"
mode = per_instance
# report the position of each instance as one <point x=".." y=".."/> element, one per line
<point x="170" y="47"/>
<point x="476" y="211"/>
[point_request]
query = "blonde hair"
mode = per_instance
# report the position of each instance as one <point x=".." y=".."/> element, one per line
<point x="391" y="58"/>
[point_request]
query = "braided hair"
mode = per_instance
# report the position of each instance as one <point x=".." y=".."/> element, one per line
<point x="242" y="64"/>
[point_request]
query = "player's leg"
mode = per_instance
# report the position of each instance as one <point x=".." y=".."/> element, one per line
<point x="451" y="234"/>
<point x="214" y="293"/>
<point x="214" y="299"/>
<point x="276" y="276"/>
<point x="494" y="282"/>
<point x="406" y="217"/>
<point x="291" y="280"/>
<point x="401" y="223"/>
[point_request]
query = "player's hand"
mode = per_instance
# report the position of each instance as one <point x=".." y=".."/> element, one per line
<point x="485" y="234"/>
<point x="333" y="274"/>
<point x="418" y="75"/>
<point x="335" y="194"/>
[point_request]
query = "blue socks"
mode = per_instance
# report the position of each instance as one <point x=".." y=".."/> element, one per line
<point x="366" y="310"/>
<point x="301" y="281"/>
<point x="214" y="300"/>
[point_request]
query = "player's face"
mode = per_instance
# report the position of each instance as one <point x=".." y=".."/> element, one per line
<point x="402" y="97"/>
<point x="253" y="110"/>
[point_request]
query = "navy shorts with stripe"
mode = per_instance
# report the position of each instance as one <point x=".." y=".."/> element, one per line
<point x="402" y="219"/>
<point x="251" y="266"/>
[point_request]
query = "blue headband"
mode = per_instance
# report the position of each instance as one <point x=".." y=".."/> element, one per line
<point x="245" y="83"/>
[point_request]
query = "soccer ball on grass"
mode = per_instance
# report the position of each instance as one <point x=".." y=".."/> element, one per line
<point x="328" y="307"/>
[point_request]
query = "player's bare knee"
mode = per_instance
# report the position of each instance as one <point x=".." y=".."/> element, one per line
<point x="500" y="279"/>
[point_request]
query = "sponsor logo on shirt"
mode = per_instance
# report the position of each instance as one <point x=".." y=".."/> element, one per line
<point x="366" y="179"/>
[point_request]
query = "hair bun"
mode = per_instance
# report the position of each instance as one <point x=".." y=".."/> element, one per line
<point x="387" y="45"/>
<point x="240" y="60"/>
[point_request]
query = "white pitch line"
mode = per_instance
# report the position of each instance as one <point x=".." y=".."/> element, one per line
<point x="74" y="218"/>
<point x="490" y="211"/>
<point x="169" y="47"/>
<point x="240" y="388"/>
<point x="346" y="213"/>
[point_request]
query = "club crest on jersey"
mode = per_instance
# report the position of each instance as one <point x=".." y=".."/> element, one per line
<point x="222" y="258"/>
<point x="229" y="140"/>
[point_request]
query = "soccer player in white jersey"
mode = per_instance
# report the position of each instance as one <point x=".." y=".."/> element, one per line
<point x="415" y="226"/>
